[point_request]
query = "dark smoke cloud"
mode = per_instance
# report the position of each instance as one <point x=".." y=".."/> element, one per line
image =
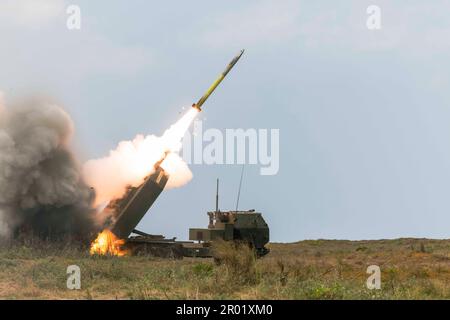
<point x="41" y="189"/>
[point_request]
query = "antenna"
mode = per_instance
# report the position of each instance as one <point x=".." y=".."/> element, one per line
<point x="217" y="196"/>
<point x="240" y="185"/>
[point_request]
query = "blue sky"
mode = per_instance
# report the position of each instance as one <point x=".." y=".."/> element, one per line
<point x="363" y="115"/>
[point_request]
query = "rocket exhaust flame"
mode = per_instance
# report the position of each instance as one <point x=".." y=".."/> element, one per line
<point x="108" y="244"/>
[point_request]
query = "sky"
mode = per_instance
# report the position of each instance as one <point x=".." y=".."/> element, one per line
<point x="363" y="114"/>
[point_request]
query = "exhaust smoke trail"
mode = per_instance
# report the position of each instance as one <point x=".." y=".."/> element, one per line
<point x="131" y="161"/>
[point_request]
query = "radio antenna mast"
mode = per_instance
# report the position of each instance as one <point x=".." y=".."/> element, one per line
<point x="240" y="185"/>
<point x="217" y="196"/>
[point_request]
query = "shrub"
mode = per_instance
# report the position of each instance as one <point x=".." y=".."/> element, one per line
<point x="203" y="269"/>
<point x="238" y="260"/>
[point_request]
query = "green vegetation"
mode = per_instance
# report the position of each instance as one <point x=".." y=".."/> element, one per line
<point x="322" y="269"/>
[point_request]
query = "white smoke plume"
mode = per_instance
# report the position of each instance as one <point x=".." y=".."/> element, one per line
<point x="41" y="187"/>
<point x="131" y="161"/>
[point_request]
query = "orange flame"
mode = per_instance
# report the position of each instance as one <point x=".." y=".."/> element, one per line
<point x="108" y="244"/>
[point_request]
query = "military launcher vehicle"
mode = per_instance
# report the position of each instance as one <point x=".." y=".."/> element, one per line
<point x="126" y="213"/>
<point x="246" y="227"/>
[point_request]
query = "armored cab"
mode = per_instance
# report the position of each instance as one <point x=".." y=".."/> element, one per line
<point x="243" y="226"/>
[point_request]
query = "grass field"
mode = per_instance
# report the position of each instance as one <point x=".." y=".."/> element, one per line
<point x="320" y="269"/>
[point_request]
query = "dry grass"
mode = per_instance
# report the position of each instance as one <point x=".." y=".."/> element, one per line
<point x="238" y="263"/>
<point x="321" y="269"/>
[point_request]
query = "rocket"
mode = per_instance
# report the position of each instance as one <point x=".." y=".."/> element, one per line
<point x="217" y="82"/>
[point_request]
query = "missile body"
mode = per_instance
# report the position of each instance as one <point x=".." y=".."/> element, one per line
<point x="217" y="82"/>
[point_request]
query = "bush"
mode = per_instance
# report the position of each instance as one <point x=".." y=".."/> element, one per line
<point x="238" y="260"/>
<point x="203" y="270"/>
